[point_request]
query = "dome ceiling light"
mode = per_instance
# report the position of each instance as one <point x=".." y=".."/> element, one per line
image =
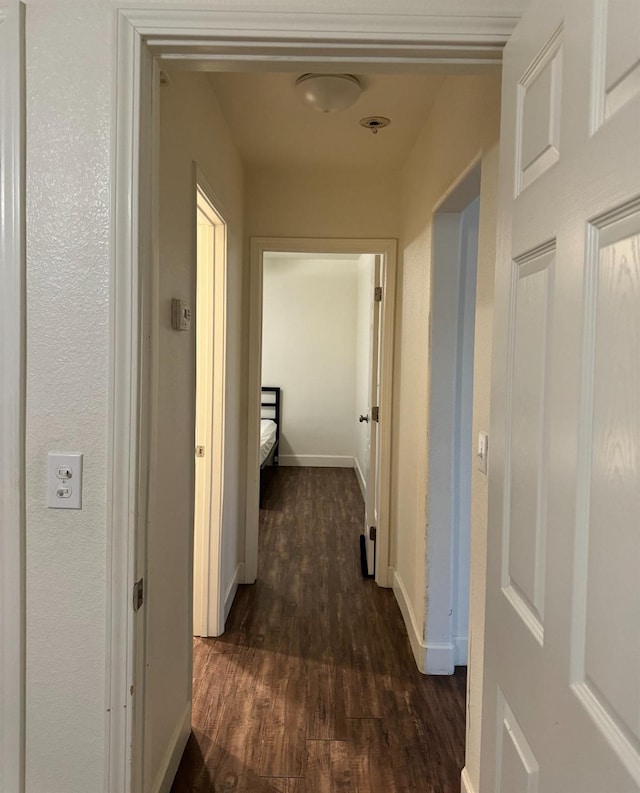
<point x="327" y="93"/>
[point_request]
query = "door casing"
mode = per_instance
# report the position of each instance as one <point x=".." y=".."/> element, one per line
<point x="215" y="40"/>
<point x="12" y="405"/>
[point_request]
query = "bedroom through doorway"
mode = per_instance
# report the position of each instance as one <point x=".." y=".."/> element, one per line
<point x="319" y="380"/>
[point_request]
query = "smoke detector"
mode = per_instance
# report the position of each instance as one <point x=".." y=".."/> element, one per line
<point x="374" y="123"/>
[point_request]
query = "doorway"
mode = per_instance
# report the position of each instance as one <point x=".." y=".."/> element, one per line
<point x="209" y="611"/>
<point x="377" y="501"/>
<point x="452" y="331"/>
<point x="131" y="32"/>
<point x="320" y="351"/>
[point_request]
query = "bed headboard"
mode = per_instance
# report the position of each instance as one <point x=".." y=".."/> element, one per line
<point x="270" y="405"/>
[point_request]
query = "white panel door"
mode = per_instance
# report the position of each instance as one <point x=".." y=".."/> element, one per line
<point x="561" y="710"/>
<point x="373" y="478"/>
<point x="12" y="396"/>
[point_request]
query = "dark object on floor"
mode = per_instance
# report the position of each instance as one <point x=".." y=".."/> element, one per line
<point x="363" y="557"/>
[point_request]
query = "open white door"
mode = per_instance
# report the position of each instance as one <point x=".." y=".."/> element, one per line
<point x="561" y="708"/>
<point x="12" y="404"/>
<point x="373" y="478"/>
<point x="208" y="598"/>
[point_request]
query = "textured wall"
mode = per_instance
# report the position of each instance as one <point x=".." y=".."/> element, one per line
<point x="69" y="63"/>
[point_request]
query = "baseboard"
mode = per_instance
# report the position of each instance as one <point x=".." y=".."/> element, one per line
<point x="461" y="650"/>
<point x="360" y="478"/>
<point x="431" y="659"/>
<point x="440" y="659"/>
<point x="232" y="589"/>
<point x="466" y="786"/>
<point x="171" y="761"/>
<point x="418" y="647"/>
<point x="316" y="461"/>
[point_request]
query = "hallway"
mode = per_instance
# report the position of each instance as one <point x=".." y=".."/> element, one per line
<point x="313" y="687"/>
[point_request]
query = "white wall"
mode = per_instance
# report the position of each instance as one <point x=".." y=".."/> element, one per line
<point x="69" y="56"/>
<point x="464" y="123"/>
<point x="465" y="451"/>
<point x="364" y="353"/>
<point x="453" y="282"/>
<point x="191" y="129"/>
<point x="309" y="349"/>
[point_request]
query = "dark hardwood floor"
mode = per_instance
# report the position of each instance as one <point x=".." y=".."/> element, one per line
<point x="313" y="687"/>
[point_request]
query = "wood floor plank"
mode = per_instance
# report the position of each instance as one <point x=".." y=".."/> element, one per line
<point x="370" y="756"/>
<point x="313" y="687"/>
<point x="328" y="767"/>
<point x="320" y="696"/>
<point x="287" y="785"/>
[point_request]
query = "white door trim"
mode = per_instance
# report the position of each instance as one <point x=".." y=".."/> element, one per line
<point x="248" y="40"/>
<point x="208" y="578"/>
<point x="387" y="248"/>
<point x="12" y="405"/>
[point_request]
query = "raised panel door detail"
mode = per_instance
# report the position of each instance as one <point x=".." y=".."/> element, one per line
<point x="608" y="530"/>
<point x="517" y="767"/>
<point x="525" y="529"/>
<point x="538" y="109"/>
<point x="616" y="57"/>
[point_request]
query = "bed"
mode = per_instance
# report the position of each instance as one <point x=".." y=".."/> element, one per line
<point x="269" y="434"/>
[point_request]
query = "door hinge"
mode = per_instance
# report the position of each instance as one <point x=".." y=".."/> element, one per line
<point x="138" y="594"/>
<point x="377" y="294"/>
<point x="375" y="414"/>
<point x="373" y="533"/>
<point x="199" y="451"/>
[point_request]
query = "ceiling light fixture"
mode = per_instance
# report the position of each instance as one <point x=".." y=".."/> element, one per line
<point x="327" y="93"/>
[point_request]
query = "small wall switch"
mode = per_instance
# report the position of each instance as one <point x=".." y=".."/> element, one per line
<point x="483" y="452"/>
<point x="180" y="315"/>
<point x="64" y="481"/>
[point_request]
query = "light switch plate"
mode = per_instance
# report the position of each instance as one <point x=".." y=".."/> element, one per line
<point x="64" y="481"/>
<point x="483" y="452"/>
<point x="180" y="315"/>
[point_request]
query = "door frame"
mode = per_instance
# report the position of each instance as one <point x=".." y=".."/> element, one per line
<point x="216" y="40"/>
<point x="207" y="586"/>
<point x="387" y="249"/>
<point x="12" y="405"/>
<point x="445" y="451"/>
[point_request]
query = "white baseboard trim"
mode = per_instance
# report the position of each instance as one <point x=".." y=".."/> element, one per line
<point x="431" y="659"/>
<point x="461" y="650"/>
<point x="172" y="758"/>
<point x="316" y="461"/>
<point x="232" y="589"/>
<point x="466" y="786"/>
<point x="360" y="477"/>
<point x="418" y="647"/>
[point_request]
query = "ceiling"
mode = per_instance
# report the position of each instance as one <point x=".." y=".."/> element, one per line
<point x="273" y="129"/>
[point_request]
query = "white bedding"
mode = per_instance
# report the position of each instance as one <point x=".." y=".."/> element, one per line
<point x="268" y="430"/>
